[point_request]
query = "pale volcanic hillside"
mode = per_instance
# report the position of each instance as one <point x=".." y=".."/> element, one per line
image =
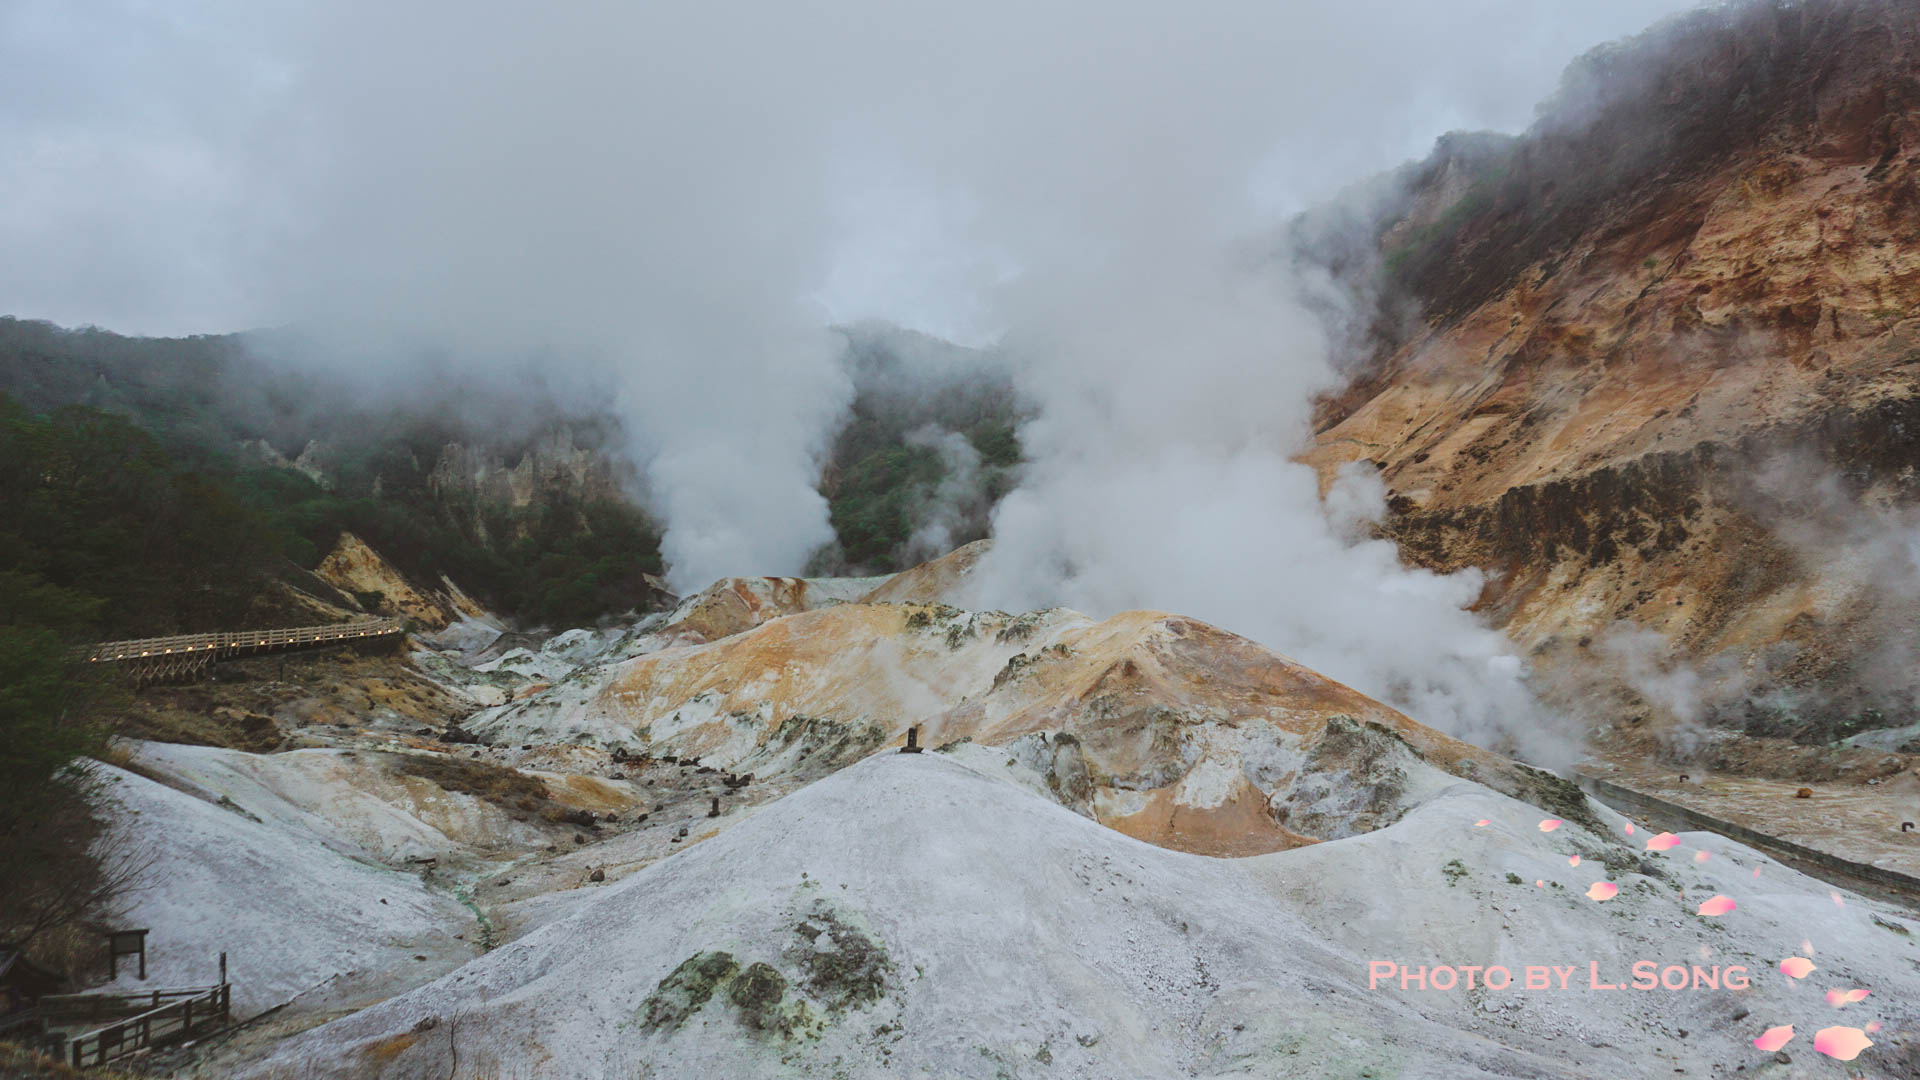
<point x="298" y="909"/>
<point x="910" y="916"/>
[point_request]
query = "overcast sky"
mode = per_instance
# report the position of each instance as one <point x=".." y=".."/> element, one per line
<point x="207" y="165"/>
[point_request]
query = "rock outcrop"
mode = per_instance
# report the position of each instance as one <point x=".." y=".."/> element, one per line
<point x="553" y="466"/>
<point x="1163" y="727"/>
<point x="361" y="572"/>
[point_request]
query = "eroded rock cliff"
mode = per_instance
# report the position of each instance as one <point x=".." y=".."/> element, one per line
<point x="1660" y="365"/>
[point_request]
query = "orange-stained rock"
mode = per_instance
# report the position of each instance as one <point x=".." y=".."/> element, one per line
<point x="1591" y="401"/>
<point x="1167" y="728"/>
<point x="357" y="569"/>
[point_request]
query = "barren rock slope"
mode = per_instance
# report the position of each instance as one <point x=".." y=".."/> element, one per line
<point x="1665" y="369"/>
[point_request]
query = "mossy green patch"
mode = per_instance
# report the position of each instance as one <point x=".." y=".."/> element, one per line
<point x="844" y="968"/>
<point x="758" y="992"/>
<point x="686" y="989"/>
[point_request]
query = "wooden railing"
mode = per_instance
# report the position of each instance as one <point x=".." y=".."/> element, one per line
<point x="239" y="641"/>
<point x="70" y="1010"/>
<point x="150" y="659"/>
<point x="161" y="1017"/>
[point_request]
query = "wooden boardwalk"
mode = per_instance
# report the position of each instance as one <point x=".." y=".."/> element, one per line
<point x="185" y="656"/>
<point x="115" y="1025"/>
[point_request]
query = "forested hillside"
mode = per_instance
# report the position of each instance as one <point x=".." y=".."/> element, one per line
<point x="165" y="478"/>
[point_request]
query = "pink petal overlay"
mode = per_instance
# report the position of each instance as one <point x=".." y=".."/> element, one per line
<point x="1836" y="997"/>
<point x="1837" y="901"/>
<point x="1479" y="823"/>
<point x="1719" y="905"/>
<point x="1806" y="946"/>
<point x="1797" y="967"/>
<point x="1873" y="1026"/>
<point x="1702" y="856"/>
<point x="1662" y="842"/>
<point x="1629" y="828"/>
<point x="1841" y="1043"/>
<point x="1756" y="871"/>
<point x="1775" y="1038"/>
<point x="1602" y="890"/>
<point x="1549" y="824"/>
<point x="1573" y="860"/>
<point x="1539" y="884"/>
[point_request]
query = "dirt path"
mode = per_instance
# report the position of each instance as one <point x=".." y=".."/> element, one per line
<point x="1852" y="819"/>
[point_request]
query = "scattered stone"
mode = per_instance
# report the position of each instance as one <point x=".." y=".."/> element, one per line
<point x="597" y="875"/>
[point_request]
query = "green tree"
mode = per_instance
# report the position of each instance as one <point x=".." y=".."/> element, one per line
<point x="52" y="873"/>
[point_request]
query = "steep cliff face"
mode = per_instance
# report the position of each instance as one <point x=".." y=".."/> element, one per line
<point x="1663" y="368"/>
<point x="568" y="463"/>
<point x="555" y="465"/>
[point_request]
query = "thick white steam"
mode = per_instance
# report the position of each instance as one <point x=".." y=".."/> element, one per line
<point x="1162" y="478"/>
<point x="940" y="520"/>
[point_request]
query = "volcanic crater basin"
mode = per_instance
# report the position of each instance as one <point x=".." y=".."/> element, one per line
<point x="912" y="916"/>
